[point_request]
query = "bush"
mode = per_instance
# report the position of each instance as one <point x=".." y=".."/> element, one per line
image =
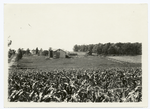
<point x="45" y="53"/>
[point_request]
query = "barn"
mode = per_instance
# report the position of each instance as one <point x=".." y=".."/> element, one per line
<point x="59" y="53"/>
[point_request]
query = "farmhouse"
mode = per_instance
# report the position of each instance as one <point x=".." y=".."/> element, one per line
<point x="59" y="53"/>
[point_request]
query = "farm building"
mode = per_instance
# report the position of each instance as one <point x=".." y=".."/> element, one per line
<point x="33" y="52"/>
<point x="59" y="53"/>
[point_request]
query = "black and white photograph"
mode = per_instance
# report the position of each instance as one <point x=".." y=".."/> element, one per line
<point x="83" y="55"/>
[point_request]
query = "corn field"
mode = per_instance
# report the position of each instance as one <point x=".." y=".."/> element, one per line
<point x="75" y="85"/>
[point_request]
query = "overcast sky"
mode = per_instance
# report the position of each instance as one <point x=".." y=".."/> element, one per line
<point x="64" y="25"/>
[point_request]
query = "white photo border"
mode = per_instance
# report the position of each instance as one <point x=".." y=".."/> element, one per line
<point x="3" y="55"/>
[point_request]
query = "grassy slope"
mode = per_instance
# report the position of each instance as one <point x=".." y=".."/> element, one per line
<point x="79" y="62"/>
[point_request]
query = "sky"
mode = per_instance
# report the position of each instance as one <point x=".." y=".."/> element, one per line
<point x="64" y="25"/>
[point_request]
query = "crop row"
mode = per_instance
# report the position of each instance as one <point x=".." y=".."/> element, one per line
<point x="75" y="85"/>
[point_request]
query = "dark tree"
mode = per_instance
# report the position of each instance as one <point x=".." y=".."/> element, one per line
<point x="28" y="51"/>
<point x="19" y="55"/>
<point x="94" y="50"/>
<point x="76" y="48"/>
<point x="90" y="48"/>
<point x="105" y="48"/>
<point x="111" y="48"/>
<point x="45" y="53"/>
<point x="9" y="53"/>
<point x="37" y="50"/>
<point x="99" y="49"/>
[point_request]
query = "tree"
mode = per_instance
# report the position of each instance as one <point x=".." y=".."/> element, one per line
<point x="119" y="46"/>
<point x="9" y="53"/>
<point x="37" y="50"/>
<point x="28" y="51"/>
<point x="99" y="49"/>
<point x="45" y="53"/>
<point x="19" y="55"/>
<point x="50" y="53"/>
<point x="94" y="50"/>
<point x="137" y="48"/>
<point x="112" y="49"/>
<point x="76" y="48"/>
<point x="105" y="48"/>
<point x="90" y="48"/>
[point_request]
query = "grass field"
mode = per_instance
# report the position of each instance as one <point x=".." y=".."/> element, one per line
<point x="130" y="59"/>
<point x="77" y="62"/>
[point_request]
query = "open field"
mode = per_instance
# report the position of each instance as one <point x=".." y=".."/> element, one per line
<point x="77" y="62"/>
<point x="92" y="79"/>
<point x="130" y="59"/>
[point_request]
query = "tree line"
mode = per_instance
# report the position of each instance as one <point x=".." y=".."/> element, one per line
<point x="111" y="48"/>
<point x="20" y="52"/>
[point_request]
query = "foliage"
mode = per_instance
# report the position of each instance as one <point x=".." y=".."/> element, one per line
<point x="28" y="52"/>
<point x="75" y="48"/>
<point x="45" y="53"/>
<point x="111" y="48"/>
<point x="37" y="50"/>
<point x="11" y="53"/>
<point x="19" y="54"/>
<point x="75" y="85"/>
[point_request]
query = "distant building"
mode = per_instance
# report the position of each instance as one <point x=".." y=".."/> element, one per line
<point x="59" y="53"/>
<point x="33" y="52"/>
